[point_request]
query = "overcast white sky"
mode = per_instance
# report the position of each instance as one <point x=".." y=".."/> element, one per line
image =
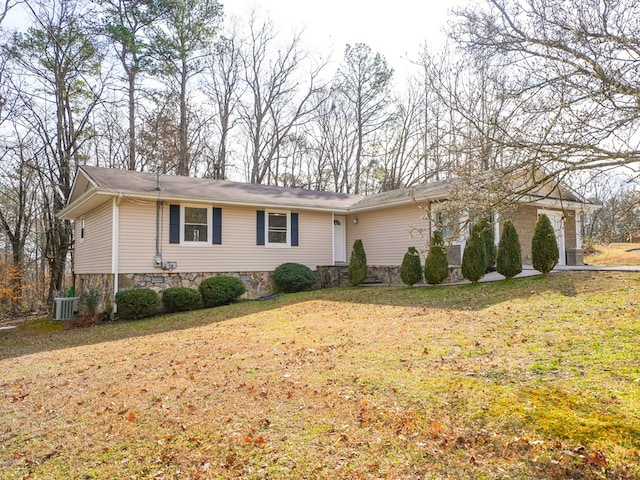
<point x="395" y="28"/>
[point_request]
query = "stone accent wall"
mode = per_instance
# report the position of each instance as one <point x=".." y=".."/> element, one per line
<point x="338" y="275"/>
<point x="101" y="282"/>
<point x="256" y="283"/>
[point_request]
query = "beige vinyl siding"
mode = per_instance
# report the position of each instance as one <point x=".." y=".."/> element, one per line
<point x="93" y="252"/>
<point x="137" y="228"/>
<point x="386" y="233"/>
<point x="238" y="251"/>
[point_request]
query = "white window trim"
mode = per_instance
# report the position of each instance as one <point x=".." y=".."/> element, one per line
<point x="266" y="229"/>
<point x="83" y="231"/>
<point x="209" y="225"/>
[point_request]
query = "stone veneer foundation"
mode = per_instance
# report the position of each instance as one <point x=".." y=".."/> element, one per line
<point x="257" y="284"/>
<point x="338" y="275"/>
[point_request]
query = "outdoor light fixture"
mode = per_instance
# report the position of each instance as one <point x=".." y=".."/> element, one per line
<point x="355" y="220"/>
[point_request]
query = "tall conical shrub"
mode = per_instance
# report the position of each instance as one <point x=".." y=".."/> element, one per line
<point x="357" y="264"/>
<point x="436" y="266"/>
<point x="489" y="243"/>
<point x="411" y="268"/>
<point x="509" y="259"/>
<point x="474" y="258"/>
<point x="544" y="247"/>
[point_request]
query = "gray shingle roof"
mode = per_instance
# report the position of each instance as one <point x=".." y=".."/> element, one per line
<point x="107" y="182"/>
<point x="144" y="183"/>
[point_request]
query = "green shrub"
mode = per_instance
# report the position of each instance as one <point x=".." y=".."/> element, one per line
<point x="137" y="303"/>
<point x="411" y="268"/>
<point x="474" y="258"/>
<point x="293" y="277"/>
<point x="222" y="290"/>
<point x="509" y="261"/>
<point x="357" y="264"/>
<point x="544" y="247"/>
<point x="180" y="299"/>
<point x="436" y="266"/>
<point x="489" y="243"/>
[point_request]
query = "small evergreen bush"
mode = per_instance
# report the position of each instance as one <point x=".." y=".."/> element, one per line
<point x="489" y="243"/>
<point x="293" y="277"/>
<point x="180" y="299"/>
<point x="436" y="266"/>
<point x="544" y="247"/>
<point x="357" y="264"/>
<point x="137" y="303"/>
<point x="474" y="258"/>
<point x="221" y="290"/>
<point x="411" y="268"/>
<point x="509" y="261"/>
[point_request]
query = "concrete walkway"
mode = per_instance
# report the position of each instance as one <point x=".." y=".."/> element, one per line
<point x="528" y="271"/>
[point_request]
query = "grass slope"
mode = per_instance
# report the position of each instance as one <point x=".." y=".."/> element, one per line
<point x="615" y="254"/>
<point x="530" y="378"/>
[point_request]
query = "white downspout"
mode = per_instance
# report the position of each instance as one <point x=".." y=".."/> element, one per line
<point x="115" y="236"/>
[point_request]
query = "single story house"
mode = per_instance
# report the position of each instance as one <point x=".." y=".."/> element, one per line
<point x="139" y="229"/>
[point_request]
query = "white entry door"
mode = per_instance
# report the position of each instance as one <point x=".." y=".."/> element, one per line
<point x="339" y="239"/>
<point x="558" y="227"/>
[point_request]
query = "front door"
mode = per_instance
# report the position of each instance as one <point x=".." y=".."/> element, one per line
<point x="339" y="239"/>
<point x="557" y="223"/>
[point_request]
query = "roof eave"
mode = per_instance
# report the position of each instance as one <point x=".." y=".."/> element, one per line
<point x="559" y="203"/>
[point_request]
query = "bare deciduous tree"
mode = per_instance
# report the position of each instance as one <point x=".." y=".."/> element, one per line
<point x="223" y="85"/>
<point x="64" y="62"/>
<point x="575" y="72"/>
<point x="278" y="96"/>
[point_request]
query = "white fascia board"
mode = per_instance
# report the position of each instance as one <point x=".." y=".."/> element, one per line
<point x="84" y="204"/>
<point x="210" y="200"/>
<point x="561" y="204"/>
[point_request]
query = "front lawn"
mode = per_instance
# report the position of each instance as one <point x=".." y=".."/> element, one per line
<point x="614" y="254"/>
<point x="528" y="378"/>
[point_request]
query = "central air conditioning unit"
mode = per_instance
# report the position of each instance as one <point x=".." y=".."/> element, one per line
<point x="65" y="308"/>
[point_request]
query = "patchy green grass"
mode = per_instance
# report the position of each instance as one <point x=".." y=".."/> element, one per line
<point x="528" y="378"/>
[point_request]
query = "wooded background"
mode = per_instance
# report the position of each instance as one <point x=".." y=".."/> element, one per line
<point x="175" y="86"/>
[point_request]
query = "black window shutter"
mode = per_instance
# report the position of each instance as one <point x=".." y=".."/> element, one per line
<point x="217" y="226"/>
<point x="260" y="227"/>
<point x="174" y="223"/>
<point x="294" y="229"/>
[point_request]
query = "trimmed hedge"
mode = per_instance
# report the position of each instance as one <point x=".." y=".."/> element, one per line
<point x="180" y="299"/>
<point x="411" y="268"/>
<point x="544" y="246"/>
<point x="137" y="303"/>
<point x="222" y="290"/>
<point x="474" y="258"/>
<point x="293" y="277"/>
<point x="357" y="264"/>
<point x="436" y="266"/>
<point x="489" y="243"/>
<point x="509" y="262"/>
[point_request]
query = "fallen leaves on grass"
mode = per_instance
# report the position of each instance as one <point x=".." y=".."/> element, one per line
<point x="367" y="383"/>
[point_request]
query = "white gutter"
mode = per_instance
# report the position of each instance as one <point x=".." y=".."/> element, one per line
<point x="115" y="236"/>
